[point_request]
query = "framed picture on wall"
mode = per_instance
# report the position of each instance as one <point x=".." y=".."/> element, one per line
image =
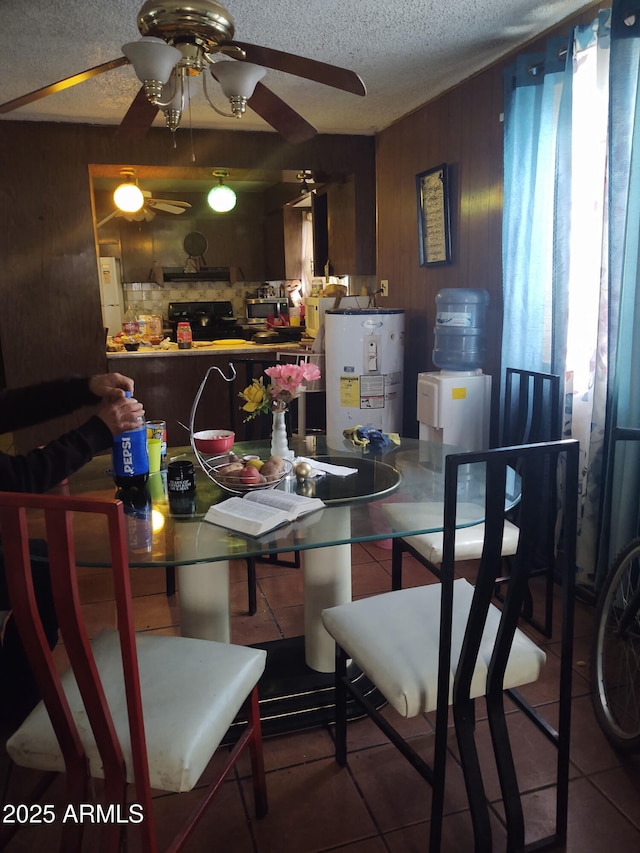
<point x="434" y="226"/>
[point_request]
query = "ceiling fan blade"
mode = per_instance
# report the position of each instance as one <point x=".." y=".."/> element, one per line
<point x="174" y="202"/>
<point x="283" y="118"/>
<point x="144" y="214"/>
<point x="107" y="218"/>
<point x="138" y="118"/>
<point x="167" y="206"/>
<point x="300" y="66"/>
<point x="62" y="84"/>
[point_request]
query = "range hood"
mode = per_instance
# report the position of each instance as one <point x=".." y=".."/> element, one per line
<point x="203" y="274"/>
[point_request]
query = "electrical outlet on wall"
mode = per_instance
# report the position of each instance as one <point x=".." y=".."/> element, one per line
<point x="384" y="286"/>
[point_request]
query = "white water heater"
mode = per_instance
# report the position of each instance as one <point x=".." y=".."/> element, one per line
<point x="454" y="408"/>
<point x="364" y="358"/>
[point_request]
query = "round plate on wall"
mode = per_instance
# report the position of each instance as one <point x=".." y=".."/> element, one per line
<point x="195" y="244"/>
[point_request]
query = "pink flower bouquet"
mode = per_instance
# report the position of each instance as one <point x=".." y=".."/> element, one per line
<point x="287" y="381"/>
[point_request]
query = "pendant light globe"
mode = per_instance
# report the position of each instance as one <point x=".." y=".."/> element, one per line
<point x="128" y="196"/>
<point x="221" y="198"/>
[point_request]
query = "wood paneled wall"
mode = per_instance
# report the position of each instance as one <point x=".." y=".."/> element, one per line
<point x="50" y="319"/>
<point x="464" y="129"/>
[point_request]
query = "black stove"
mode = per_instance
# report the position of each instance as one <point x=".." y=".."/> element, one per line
<point x="209" y="321"/>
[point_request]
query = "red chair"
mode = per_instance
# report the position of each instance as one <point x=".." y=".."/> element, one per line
<point x="157" y="707"/>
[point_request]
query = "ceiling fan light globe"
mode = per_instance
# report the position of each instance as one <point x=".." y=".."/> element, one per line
<point x="152" y="58"/>
<point x="238" y="79"/>
<point x="221" y="199"/>
<point x="128" y="197"/>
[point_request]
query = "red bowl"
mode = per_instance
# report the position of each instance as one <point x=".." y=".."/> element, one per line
<point x="214" y="440"/>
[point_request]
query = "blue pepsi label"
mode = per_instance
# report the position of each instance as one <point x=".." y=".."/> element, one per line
<point x="130" y="457"/>
<point x="139" y="527"/>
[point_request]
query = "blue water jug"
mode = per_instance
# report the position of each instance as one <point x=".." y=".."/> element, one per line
<point x="460" y="334"/>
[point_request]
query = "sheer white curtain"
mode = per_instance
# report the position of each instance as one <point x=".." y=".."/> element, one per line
<point x="582" y="229"/>
<point x="554" y="239"/>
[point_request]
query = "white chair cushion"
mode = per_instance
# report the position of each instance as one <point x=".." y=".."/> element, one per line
<point x="191" y="693"/>
<point x="394" y="638"/>
<point x="469" y="542"/>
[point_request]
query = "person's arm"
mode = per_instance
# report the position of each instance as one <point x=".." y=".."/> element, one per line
<point x="24" y="407"/>
<point x="41" y="469"/>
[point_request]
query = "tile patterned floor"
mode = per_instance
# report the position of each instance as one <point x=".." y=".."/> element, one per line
<point x="378" y="803"/>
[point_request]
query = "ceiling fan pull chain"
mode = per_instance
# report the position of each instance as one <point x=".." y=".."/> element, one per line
<point x="193" y="153"/>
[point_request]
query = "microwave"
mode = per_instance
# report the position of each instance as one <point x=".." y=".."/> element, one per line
<point x="258" y="310"/>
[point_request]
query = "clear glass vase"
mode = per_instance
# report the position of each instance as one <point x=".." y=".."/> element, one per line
<point x="279" y="440"/>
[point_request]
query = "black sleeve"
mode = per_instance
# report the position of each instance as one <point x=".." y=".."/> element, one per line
<point x="40" y="470"/>
<point x="24" y="407"/>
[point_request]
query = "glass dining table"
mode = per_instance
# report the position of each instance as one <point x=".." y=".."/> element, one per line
<point x="395" y="492"/>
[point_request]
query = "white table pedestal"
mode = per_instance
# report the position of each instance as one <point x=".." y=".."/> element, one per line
<point x="327" y="582"/>
<point x="204" y="601"/>
<point x="205" y="607"/>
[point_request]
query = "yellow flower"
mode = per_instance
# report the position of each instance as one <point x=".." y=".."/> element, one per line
<point x="256" y="397"/>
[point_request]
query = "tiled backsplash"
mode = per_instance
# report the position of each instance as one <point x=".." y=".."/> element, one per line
<point x="147" y="297"/>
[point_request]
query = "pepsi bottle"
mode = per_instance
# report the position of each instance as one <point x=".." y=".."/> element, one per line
<point x="130" y="457"/>
<point x="137" y="509"/>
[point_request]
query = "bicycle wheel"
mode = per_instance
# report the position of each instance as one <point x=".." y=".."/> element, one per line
<point x="615" y="659"/>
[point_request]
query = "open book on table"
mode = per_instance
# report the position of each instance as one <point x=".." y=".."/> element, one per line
<point x="261" y="511"/>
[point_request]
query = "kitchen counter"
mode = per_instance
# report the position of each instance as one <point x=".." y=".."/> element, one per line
<point x="167" y="381"/>
<point x="246" y="349"/>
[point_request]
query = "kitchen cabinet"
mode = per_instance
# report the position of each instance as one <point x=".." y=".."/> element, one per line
<point x="235" y="239"/>
<point x="283" y="244"/>
<point x="167" y="383"/>
<point x="344" y="227"/>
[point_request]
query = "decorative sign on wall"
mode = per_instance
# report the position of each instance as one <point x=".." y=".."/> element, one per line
<point x="434" y="228"/>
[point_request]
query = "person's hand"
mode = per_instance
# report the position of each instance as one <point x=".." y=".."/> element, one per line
<point x="105" y="384"/>
<point x="121" y="413"/>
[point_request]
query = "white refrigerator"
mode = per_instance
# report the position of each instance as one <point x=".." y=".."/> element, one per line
<point x="111" y="296"/>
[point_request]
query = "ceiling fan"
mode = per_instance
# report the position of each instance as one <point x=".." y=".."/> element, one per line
<point x="150" y="205"/>
<point x="182" y="40"/>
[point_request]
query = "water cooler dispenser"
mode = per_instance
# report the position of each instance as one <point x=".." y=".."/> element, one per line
<point x="454" y="403"/>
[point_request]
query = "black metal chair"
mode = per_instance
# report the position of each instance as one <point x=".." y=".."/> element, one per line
<point x="258" y="428"/>
<point x="531" y="414"/>
<point x="531" y="407"/>
<point x="445" y="644"/>
<point x="247" y="369"/>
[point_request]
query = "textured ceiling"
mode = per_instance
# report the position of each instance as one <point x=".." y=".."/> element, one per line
<point x="407" y="52"/>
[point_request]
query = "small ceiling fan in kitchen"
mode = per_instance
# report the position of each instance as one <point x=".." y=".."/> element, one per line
<point x="184" y="40"/>
<point x="135" y="204"/>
